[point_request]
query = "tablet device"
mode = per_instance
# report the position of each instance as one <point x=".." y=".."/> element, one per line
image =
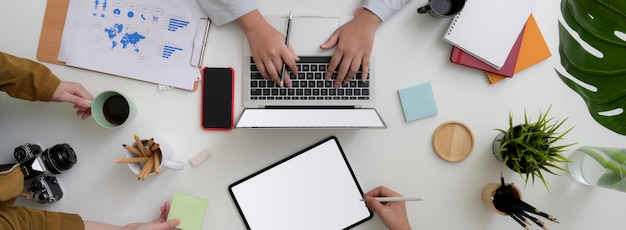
<point x="312" y="189"/>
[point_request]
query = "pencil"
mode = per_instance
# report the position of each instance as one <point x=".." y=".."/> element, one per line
<point x="140" y="145"/>
<point x="529" y="208"/>
<point x="519" y="215"/>
<point x="131" y="160"/>
<point x="546" y="215"/>
<point x="150" y="143"/>
<point x="155" y="146"/>
<point x="533" y="219"/>
<point x="391" y="199"/>
<point x="283" y="71"/>
<point x="132" y="150"/>
<point x="157" y="161"/>
<point x="147" y="150"/>
<point x="147" y="168"/>
<point x="520" y="222"/>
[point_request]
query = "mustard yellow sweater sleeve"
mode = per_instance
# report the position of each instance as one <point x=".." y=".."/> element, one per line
<point x="26" y="79"/>
<point x="19" y="217"/>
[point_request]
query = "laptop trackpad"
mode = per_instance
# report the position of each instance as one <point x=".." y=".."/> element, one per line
<point x="308" y="33"/>
<point x="310" y="118"/>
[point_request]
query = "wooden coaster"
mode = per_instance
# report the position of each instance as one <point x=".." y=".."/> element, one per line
<point x="453" y="141"/>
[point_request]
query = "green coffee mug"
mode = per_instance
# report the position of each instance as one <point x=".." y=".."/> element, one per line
<point x="111" y="109"/>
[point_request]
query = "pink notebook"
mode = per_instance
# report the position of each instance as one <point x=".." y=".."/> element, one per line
<point x="461" y="57"/>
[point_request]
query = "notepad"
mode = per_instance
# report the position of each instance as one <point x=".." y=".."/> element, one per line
<point x="417" y="102"/>
<point x="189" y="210"/>
<point x="487" y="29"/>
<point x="312" y="189"/>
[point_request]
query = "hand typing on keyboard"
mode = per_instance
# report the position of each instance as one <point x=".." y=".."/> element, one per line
<point x="352" y="41"/>
<point x="268" y="47"/>
<point x="309" y="84"/>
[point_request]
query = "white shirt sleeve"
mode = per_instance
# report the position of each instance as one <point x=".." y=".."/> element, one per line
<point x="384" y="9"/>
<point x="224" y="11"/>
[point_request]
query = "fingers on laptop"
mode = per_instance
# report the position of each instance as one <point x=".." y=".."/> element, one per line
<point x="343" y="74"/>
<point x="291" y="67"/>
<point x="345" y="71"/>
<point x="332" y="66"/>
<point x="365" y="66"/>
<point x="271" y="72"/>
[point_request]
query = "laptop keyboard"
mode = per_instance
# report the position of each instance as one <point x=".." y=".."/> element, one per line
<point x="309" y="84"/>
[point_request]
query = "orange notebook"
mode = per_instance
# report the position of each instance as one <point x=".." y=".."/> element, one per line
<point x="533" y="50"/>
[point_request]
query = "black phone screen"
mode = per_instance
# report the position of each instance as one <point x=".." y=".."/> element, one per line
<point x="217" y="98"/>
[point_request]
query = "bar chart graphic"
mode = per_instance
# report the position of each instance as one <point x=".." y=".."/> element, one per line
<point x="175" y="24"/>
<point x="168" y="50"/>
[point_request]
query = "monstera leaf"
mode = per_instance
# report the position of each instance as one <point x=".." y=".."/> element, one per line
<point x="593" y="52"/>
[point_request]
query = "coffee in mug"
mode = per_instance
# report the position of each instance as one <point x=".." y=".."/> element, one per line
<point x="116" y="109"/>
<point x="112" y="109"/>
<point x="442" y="8"/>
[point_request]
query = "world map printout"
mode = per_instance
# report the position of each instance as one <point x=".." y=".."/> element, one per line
<point x="148" y="40"/>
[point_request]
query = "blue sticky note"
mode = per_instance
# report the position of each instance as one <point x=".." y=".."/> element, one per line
<point x="418" y="102"/>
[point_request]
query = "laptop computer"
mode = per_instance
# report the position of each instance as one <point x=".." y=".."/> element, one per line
<point x="303" y="106"/>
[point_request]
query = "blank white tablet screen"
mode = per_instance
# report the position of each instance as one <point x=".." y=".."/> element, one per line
<point x="313" y="190"/>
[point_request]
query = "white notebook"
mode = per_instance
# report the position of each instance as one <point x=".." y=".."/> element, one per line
<point x="487" y="29"/>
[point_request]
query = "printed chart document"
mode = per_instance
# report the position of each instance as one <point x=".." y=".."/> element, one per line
<point x="149" y="40"/>
<point x="312" y="189"/>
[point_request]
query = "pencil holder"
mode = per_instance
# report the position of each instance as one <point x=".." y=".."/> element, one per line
<point x="506" y="199"/>
<point x="490" y="190"/>
<point x="150" y="156"/>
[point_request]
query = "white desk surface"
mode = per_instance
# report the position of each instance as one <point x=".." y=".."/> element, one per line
<point x="409" y="51"/>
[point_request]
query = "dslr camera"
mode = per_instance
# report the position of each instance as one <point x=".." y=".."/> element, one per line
<point x="39" y="168"/>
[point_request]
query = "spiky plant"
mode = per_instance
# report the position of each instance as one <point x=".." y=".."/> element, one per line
<point x="530" y="148"/>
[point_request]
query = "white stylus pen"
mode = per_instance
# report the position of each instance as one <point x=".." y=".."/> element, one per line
<point x="390" y="199"/>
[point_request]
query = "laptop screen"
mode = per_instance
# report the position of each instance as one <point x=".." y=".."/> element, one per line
<point x="310" y="118"/>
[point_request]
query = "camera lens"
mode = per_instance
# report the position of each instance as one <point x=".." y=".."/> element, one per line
<point x="43" y="198"/>
<point x="59" y="158"/>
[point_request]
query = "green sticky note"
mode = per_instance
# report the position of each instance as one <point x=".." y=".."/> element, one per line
<point x="189" y="210"/>
<point x="418" y="102"/>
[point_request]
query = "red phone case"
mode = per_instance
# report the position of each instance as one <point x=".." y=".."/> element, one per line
<point x="232" y="101"/>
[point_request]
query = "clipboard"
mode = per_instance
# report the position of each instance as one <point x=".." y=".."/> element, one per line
<point x="312" y="189"/>
<point x="52" y="33"/>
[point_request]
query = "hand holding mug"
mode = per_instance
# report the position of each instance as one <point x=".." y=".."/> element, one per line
<point x="111" y="109"/>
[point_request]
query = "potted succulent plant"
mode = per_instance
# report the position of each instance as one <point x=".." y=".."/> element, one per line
<point x="530" y="148"/>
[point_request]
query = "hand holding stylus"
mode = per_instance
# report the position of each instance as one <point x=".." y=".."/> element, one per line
<point x="393" y="214"/>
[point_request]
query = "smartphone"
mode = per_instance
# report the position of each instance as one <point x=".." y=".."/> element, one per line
<point x="217" y="98"/>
